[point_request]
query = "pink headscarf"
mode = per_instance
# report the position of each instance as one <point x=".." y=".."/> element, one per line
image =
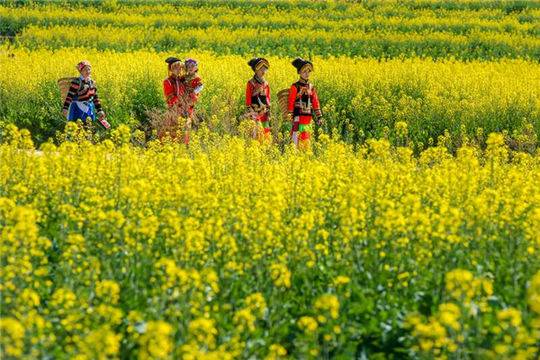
<point x="82" y="64"/>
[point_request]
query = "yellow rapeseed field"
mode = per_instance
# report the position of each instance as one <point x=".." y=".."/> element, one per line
<point x="232" y="249"/>
<point x="408" y="228"/>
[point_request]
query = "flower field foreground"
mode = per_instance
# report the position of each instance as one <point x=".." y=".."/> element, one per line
<point x="230" y="249"/>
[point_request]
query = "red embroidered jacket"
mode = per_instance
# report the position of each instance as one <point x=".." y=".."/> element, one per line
<point x="173" y="88"/>
<point x="258" y="98"/>
<point x="304" y="102"/>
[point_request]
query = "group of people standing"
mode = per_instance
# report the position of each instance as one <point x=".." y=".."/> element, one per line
<point x="300" y="106"/>
<point x="182" y="89"/>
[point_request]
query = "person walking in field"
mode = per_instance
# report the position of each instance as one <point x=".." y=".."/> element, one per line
<point x="258" y="99"/>
<point x="303" y="104"/>
<point x="81" y="100"/>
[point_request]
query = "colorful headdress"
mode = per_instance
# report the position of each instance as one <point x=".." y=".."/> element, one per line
<point x="191" y="62"/>
<point x="301" y="64"/>
<point x="258" y="63"/>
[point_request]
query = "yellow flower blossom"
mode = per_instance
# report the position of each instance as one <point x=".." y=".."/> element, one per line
<point x="108" y="290"/>
<point x="341" y="280"/>
<point x="12" y="337"/>
<point x="308" y="324"/>
<point x="204" y="332"/>
<point x="281" y="275"/>
<point x="328" y="303"/>
<point x="156" y="342"/>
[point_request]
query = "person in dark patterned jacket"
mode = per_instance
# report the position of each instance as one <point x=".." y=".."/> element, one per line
<point x="258" y="98"/>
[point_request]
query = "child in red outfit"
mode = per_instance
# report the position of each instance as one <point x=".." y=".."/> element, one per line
<point x="192" y="87"/>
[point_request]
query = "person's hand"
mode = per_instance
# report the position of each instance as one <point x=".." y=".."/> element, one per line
<point x="290" y="117"/>
<point x="101" y="115"/>
<point x="65" y="112"/>
<point x="320" y="121"/>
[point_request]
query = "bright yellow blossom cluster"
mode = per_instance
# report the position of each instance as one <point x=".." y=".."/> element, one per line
<point x="328" y="304"/>
<point x="156" y="342"/>
<point x="281" y="276"/>
<point x="462" y="285"/>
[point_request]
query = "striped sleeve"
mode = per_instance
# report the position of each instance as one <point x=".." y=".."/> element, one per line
<point x="74" y="87"/>
<point x="97" y="102"/>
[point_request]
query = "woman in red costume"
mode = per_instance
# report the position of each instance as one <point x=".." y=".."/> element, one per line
<point x="303" y="104"/>
<point x="258" y="99"/>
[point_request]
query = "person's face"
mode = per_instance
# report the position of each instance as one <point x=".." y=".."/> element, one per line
<point x="192" y="69"/>
<point x="176" y="68"/>
<point x="305" y="73"/>
<point x="86" y="71"/>
<point x="261" y="73"/>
